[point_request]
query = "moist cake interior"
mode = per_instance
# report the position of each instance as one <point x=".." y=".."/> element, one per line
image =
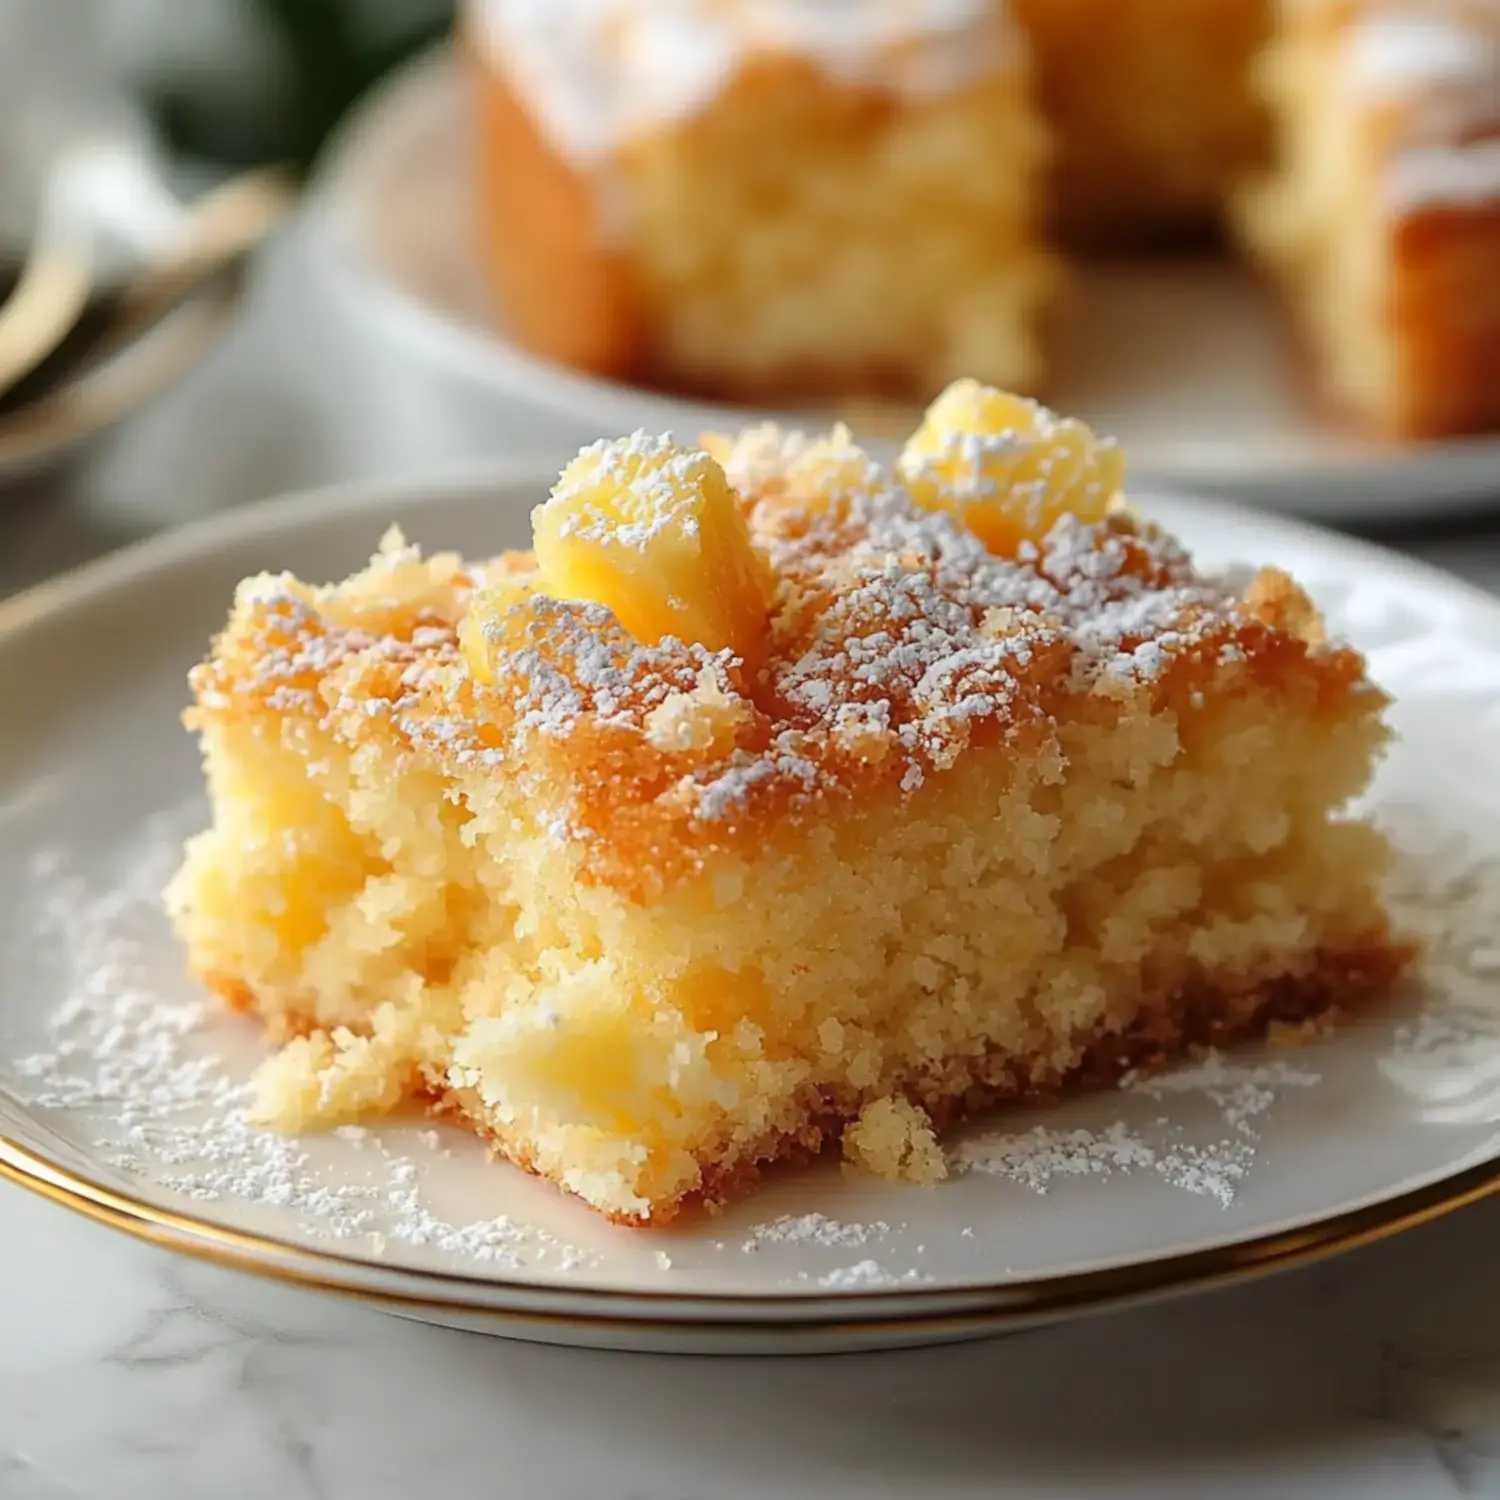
<point x="906" y="792"/>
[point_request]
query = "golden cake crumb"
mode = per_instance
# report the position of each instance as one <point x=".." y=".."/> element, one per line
<point x="654" y="872"/>
<point x="893" y="1138"/>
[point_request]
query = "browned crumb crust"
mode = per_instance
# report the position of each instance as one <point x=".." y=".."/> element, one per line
<point x="1184" y="1024"/>
<point x="395" y="675"/>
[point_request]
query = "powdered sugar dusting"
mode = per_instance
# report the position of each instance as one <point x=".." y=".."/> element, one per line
<point x="1439" y="66"/>
<point x="1241" y="1093"/>
<point x="649" y="476"/>
<point x="600" y="72"/>
<point x="166" y="1107"/>
<point x="1396" y="52"/>
<point x="1037" y="1157"/>
<point x="894" y="641"/>
<point x="867" y="1275"/>
<point x="1460" y="176"/>
<point x="1448" y="1056"/>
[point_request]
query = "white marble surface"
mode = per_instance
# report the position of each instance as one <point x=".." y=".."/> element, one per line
<point x="126" y="1374"/>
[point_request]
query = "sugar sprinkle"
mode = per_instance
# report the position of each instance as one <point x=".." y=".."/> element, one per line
<point x="815" y="1229"/>
<point x="165" y="1104"/>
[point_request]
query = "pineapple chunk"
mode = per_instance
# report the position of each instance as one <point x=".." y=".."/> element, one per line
<point x="1007" y="467"/>
<point x="497" y="622"/>
<point x="655" y="533"/>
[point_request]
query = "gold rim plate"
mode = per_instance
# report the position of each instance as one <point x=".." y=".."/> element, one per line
<point x="329" y="520"/>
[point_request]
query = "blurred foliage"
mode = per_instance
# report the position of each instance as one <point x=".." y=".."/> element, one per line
<point x="334" y="50"/>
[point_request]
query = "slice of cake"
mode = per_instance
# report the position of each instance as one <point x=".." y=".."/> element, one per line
<point x="776" y="795"/>
<point x="1382" y="216"/>
<point x="1149" y="103"/>
<point x="763" y="200"/>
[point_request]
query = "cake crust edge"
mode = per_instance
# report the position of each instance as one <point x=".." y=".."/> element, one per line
<point x="1162" y="1033"/>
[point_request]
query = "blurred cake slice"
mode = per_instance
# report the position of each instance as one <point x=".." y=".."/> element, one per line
<point x="778" y="797"/>
<point x="1150" y="105"/>
<point x="1381" y="217"/>
<point x="763" y="198"/>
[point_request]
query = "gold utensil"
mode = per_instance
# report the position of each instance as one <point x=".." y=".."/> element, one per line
<point x="58" y="283"/>
<point x="225" y="225"/>
<point x="48" y="300"/>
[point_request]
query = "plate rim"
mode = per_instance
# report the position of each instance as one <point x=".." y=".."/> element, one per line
<point x="1034" y="1299"/>
<point x="1042" y="1299"/>
<point x="1449" y="476"/>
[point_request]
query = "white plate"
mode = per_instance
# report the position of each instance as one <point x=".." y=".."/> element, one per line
<point x="1188" y="366"/>
<point x="1391" y="1120"/>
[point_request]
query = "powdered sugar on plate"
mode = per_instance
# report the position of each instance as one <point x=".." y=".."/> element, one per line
<point x="1039" y="1156"/>
<point x="1241" y="1093"/>
<point x="814" y="1229"/>
<point x="164" y="1105"/>
<point x="1447" y="1057"/>
<point x="155" y="1082"/>
<point x="1448" y="1053"/>
<point x="1214" y="1168"/>
<point x="867" y="1275"/>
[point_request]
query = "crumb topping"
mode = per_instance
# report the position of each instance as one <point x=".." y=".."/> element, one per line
<point x="896" y="641"/>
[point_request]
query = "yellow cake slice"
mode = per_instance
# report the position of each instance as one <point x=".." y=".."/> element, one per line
<point x="1151" y="111"/>
<point x="778" y="798"/>
<point x="1381" y="214"/>
<point x="763" y="199"/>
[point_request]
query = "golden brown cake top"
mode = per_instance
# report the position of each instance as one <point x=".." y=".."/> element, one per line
<point x="860" y="642"/>
<point x="1430" y="71"/>
<point x="599" y="73"/>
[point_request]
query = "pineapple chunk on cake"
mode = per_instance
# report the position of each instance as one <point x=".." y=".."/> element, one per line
<point x="1007" y="467"/>
<point x="779" y="799"/>
<point x="653" y="532"/>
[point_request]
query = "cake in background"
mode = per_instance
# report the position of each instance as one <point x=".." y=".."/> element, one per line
<point x="1148" y="105"/>
<point x="766" y="200"/>
<point x="1382" y="215"/>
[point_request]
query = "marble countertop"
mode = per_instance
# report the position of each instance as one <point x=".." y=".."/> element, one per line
<point x="129" y="1374"/>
